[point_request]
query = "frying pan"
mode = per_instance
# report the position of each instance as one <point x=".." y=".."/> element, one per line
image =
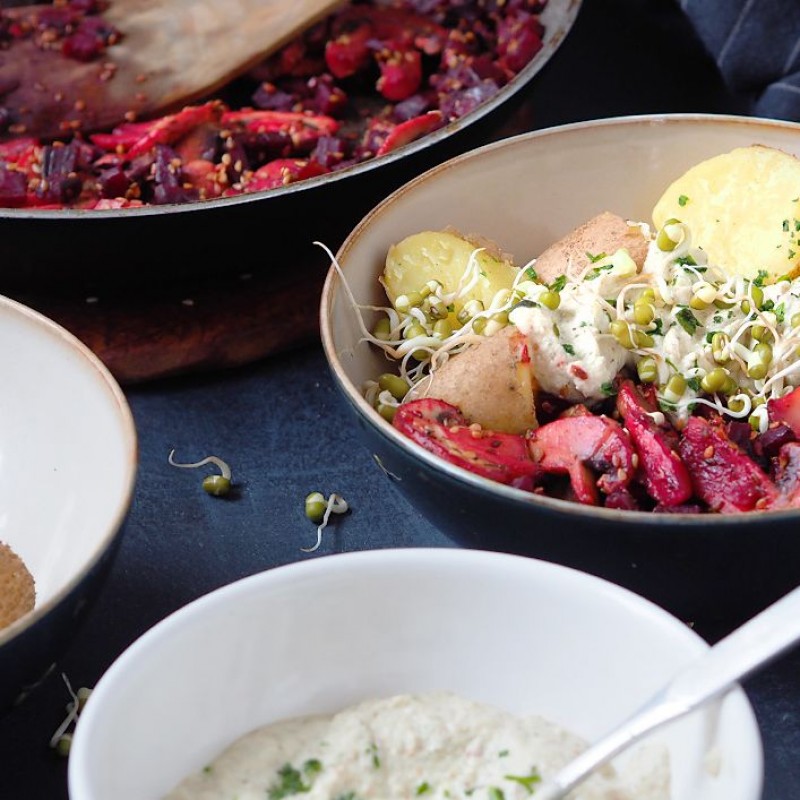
<point x="69" y="250"/>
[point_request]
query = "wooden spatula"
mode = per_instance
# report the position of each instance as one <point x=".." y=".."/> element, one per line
<point x="172" y="52"/>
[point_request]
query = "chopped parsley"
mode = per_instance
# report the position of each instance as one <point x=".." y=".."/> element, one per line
<point x="598" y="271"/>
<point x="291" y="780"/>
<point x="607" y="389"/>
<point x="687" y="320"/>
<point x="760" y="278"/>
<point x="373" y="751"/>
<point x="423" y="788"/>
<point x="558" y="284"/>
<point x="693" y="383"/>
<point x="495" y="793"/>
<point x="528" y="781"/>
<point x="683" y="200"/>
<point x="595" y="258"/>
<point x="666" y="406"/>
<point x="568" y="348"/>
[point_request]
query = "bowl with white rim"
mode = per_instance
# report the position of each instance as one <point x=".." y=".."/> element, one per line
<point x="68" y="460"/>
<point x="314" y="637"/>
<point x="524" y="193"/>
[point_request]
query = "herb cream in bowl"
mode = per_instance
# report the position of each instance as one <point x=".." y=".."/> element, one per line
<point x="390" y="674"/>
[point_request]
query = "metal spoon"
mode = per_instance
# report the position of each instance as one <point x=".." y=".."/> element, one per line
<point x="747" y="649"/>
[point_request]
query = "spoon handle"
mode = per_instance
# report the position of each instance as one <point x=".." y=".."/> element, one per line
<point x="749" y="647"/>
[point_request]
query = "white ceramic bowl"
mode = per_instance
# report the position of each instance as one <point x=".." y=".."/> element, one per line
<point x="525" y="193"/>
<point x="518" y="633"/>
<point x="68" y="458"/>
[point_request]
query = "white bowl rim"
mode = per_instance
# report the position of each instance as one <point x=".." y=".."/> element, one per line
<point x="125" y="416"/>
<point x="509" y="493"/>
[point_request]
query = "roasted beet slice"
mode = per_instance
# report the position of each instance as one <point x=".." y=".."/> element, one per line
<point x="786" y="467"/>
<point x="663" y="474"/>
<point x="441" y="428"/>
<point x="786" y="409"/>
<point x="13" y="187"/>
<point x="581" y="446"/>
<point x="723" y="476"/>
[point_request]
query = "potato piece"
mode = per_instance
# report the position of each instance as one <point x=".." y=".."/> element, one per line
<point x="443" y="256"/>
<point x="742" y="208"/>
<point x="492" y="383"/>
<point x="605" y="233"/>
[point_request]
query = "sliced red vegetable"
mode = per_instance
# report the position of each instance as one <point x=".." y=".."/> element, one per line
<point x="664" y="475"/>
<point x="787" y="470"/>
<point x="410" y="130"/>
<point x="786" y="409"/>
<point x="401" y="72"/>
<point x="442" y="429"/>
<point x="283" y="171"/>
<point x="304" y="129"/>
<point x="519" y="39"/>
<point x="724" y="477"/>
<point x="349" y="52"/>
<point x="137" y="138"/>
<point x="582" y="446"/>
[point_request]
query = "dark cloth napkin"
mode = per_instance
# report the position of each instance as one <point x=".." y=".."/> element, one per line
<point x="756" y="45"/>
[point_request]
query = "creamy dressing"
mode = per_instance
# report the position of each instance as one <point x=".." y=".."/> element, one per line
<point x="436" y="745"/>
<point x="702" y="320"/>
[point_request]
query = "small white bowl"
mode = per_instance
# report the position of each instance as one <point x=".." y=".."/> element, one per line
<point x="517" y="633"/>
<point x="68" y="460"/>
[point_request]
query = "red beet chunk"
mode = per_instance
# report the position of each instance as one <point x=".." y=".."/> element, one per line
<point x="13" y="188"/>
<point x="723" y="476"/>
<point x="664" y="475"/>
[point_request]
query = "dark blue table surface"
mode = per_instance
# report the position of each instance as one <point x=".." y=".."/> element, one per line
<point x="285" y="431"/>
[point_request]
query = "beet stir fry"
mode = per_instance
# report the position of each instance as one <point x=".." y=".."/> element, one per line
<point x="625" y="366"/>
<point x="365" y="81"/>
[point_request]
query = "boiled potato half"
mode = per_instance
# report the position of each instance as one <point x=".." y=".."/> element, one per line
<point x="742" y="208"/>
<point x="443" y="256"/>
<point x="491" y="383"/>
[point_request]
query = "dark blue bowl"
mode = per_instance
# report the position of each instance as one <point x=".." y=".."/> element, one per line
<point x="524" y="193"/>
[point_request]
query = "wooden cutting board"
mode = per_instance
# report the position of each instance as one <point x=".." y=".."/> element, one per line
<point x="147" y="335"/>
